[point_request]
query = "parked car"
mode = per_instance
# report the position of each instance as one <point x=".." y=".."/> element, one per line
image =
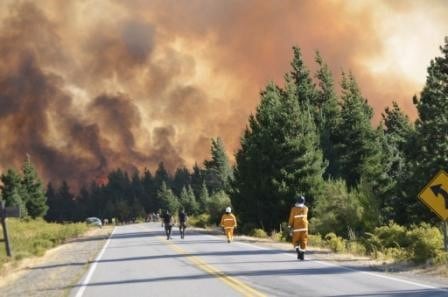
<point x="94" y="221"/>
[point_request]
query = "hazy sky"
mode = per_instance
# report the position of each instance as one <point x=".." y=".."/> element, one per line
<point x="88" y="86"/>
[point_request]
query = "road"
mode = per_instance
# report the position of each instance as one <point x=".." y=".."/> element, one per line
<point x="137" y="260"/>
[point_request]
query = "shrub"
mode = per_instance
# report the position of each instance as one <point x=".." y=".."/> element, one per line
<point x="335" y="243"/>
<point x="34" y="237"/>
<point x="425" y="242"/>
<point x="200" y="221"/>
<point x="276" y="236"/>
<point x="355" y="247"/>
<point x="247" y="228"/>
<point x="259" y="233"/>
<point x="316" y="241"/>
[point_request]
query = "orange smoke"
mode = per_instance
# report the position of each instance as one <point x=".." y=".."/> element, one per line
<point x="90" y="86"/>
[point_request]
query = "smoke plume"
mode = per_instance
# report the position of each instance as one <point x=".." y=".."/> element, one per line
<point x="90" y="86"/>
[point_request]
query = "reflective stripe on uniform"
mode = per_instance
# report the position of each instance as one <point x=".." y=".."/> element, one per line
<point x="300" y="216"/>
<point x="301" y="229"/>
<point x="228" y="219"/>
<point x="228" y="227"/>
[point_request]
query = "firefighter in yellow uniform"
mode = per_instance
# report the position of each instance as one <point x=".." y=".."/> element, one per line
<point x="228" y="222"/>
<point x="298" y="224"/>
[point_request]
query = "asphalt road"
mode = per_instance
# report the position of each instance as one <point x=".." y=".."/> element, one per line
<point x="138" y="260"/>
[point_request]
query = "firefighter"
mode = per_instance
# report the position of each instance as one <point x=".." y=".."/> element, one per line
<point x="298" y="224"/>
<point x="228" y="222"/>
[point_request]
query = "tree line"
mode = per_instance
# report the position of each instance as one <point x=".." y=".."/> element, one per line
<point x="304" y="138"/>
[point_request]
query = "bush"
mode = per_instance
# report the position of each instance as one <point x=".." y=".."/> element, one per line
<point x="34" y="237"/>
<point x="200" y="221"/>
<point x="259" y="233"/>
<point x="316" y="241"/>
<point x="285" y="232"/>
<point x="216" y="205"/>
<point x="355" y="247"/>
<point x="248" y="228"/>
<point x="425" y="242"/>
<point x="276" y="236"/>
<point x="335" y="243"/>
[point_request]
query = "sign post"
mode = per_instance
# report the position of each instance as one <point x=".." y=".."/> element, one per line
<point x="4" y="213"/>
<point x="435" y="196"/>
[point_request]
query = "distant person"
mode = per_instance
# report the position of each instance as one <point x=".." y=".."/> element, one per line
<point x="182" y="223"/>
<point x="167" y="221"/>
<point x="228" y="222"/>
<point x="298" y="224"/>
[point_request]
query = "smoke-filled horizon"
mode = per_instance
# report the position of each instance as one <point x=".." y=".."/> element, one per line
<point x="90" y="86"/>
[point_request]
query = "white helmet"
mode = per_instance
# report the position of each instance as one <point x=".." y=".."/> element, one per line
<point x="228" y="209"/>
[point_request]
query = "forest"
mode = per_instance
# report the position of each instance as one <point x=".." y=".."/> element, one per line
<point x="311" y="136"/>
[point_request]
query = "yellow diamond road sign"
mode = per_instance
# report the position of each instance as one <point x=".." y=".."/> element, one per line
<point x="435" y="194"/>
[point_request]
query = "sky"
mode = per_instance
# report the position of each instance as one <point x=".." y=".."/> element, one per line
<point x="90" y="86"/>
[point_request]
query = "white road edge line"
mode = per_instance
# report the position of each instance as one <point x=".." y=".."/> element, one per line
<point x="350" y="269"/>
<point x="85" y="282"/>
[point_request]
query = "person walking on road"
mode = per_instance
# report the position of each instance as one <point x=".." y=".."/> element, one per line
<point x="298" y="224"/>
<point x="182" y="223"/>
<point x="168" y="223"/>
<point x="228" y="222"/>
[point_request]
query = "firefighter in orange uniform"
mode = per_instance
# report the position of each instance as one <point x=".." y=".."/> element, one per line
<point x="298" y="224"/>
<point x="228" y="222"/>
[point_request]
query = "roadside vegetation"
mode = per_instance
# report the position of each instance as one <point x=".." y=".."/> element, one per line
<point x="312" y="135"/>
<point x="34" y="237"/>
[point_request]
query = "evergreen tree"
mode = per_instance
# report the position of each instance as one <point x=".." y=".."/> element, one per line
<point x="188" y="201"/>
<point x="84" y="205"/>
<point x="398" y="134"/>
<point x="67" y="203"/>
<point x="203" y="198"/>
<point x="150" y="193"/>
<point x="12" y="190"/>
<point x="197" y="179"/>
<point x="161" y="176"/>
<point x="358" y="146"/>
<point x="337" y="209"/>
<point x="279" y="158"/>
<point x="181" y="180"/>
<point x="300" y="76"/>
<point x="431" y="145"/>
<point x="34" y="199"/>
<point x="327" y="115"/>
<point x="54" y="207"/>
<point x="218" y="172"/>
<point x="168" y="201"/>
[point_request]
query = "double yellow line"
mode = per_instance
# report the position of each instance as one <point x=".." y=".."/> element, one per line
<point x="236" y="284"/>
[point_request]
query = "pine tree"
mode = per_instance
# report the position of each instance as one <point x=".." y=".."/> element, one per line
<point x="197" y="179"/>
<point x="34" y="199"/>
<point x="218" y="172"/>
<point x="300" y="76"/>
<point x="188" y="201"/>
<point x="431" y="143"/>
<point x="168" y="201"/>
<point x="181" y="180"/>
<point x="327" y="115"/>
<point x="52" y="203"/>
<point x="150" y="193"/>
<point x="203" y="198"/>
<point x="398" y="134"/>
<point x="13" y="191"/>
<point x="67" y="203"/>
<point x="357" y="144"/>
<point x="279" y="158"/>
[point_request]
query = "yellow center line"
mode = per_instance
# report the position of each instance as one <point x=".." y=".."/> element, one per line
<point x="236" y="284"/>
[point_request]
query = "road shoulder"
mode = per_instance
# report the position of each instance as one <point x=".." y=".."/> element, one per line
<point x="54" y="273"/>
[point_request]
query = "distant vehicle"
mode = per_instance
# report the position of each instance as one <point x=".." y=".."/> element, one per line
<point x="93" y="221"/>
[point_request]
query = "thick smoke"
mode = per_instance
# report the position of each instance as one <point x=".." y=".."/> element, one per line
<point x="90" y="86"/>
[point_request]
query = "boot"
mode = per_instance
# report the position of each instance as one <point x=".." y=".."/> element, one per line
<point x="298" y="253"/>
